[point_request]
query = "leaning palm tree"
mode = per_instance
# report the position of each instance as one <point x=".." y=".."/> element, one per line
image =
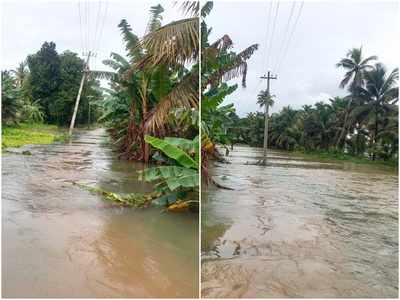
<point x="378" y="98"/>
<point x="355" y="67"/>
<point x="265" y="99"/>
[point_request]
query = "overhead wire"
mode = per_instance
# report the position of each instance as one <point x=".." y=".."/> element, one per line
<point x="272" y="35"/>
<point x="290" y="37"/>
<point x="267" y="35"/>
<point x="80" y="27"/>
<point x="284" y="37"/>
<point x="97" y="24"/>
<point x="97" y="46"/>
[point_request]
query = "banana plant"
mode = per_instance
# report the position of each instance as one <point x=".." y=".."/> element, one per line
<point x="181" y="176"/>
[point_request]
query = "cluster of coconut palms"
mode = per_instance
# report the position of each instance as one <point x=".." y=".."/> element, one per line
<point x="363" y="123"/>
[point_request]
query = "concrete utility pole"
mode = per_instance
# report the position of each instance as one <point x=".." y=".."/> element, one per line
<point x="268" y="78"/>
<point x="78" y="98"/>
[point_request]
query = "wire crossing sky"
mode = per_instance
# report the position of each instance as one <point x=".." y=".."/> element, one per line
<point x="319" y="35"/>
<point x="75" y="25"/>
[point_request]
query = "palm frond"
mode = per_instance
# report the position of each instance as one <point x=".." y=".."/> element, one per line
<point x="206" y="9"/>
<point x="236" y="67"/>
<point x="368" y="59"/>
<point x="132" y="41"/>
<point x="190" y="8"/>
<point x="120" y="59"/>
<point x="155" y="18"/>
<point x="222" y="43"/>
<point x="112" y="63"/>
<point x="184" y="94"/>
<point x="346" y="79"/>
<point x="102" y="75"/>
<point x="172" y="44"/>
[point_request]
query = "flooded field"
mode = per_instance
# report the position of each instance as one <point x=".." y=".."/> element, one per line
<point x="298" y="228"/>
<point x="59" y="240"/>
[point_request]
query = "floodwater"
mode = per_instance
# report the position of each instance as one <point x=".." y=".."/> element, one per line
<point x="299" y="228"/>
<point x="59" y="240"/>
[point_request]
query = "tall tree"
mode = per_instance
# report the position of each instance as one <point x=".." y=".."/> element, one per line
<point x="45" y="72"/>
<point x="355" y="67"/>
<point x="378" y="97"/>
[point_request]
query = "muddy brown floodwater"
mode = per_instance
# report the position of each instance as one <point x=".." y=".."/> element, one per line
<point x="299" y="228"/>
<point x="61" y="241"/>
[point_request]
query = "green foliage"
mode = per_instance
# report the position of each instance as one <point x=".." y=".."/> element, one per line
<point x="32" y="112"/>
<point x="145" y="98"/>
<point x="24" y="134"/>
<point x="44" y="69"/>
<point x="364" y="123"/>
<point x="10" y="99"/>
<point x="174" y="148"/>
<point x="44" y="88"/>
<point x="182" y="173"/>
<point x="138" y="200"/>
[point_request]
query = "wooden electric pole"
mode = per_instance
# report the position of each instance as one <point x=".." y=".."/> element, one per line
<point x="268" y="78"/>
<point x="78" y="97"/>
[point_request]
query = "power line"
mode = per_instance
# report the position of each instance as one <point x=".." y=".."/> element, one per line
<point x="272" y="34"/>
<point x="285" y="35"/>
<point x="102" y="27"/>
<point x="89" y="24"/>
<point x="291" y="36"/>
<point x="80" y="27"/>
<point x="267" y="35"/>
<point x="97" y="24"/>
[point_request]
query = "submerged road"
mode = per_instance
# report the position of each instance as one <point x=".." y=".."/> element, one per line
<point x="298" y="228"/>
<point x="59" y="240"/>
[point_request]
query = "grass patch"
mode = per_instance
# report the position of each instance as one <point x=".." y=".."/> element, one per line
<point x="24" y="134"/>
<point x="342" y="157"/>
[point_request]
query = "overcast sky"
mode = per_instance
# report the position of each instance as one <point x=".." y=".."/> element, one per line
<point x="325" y="32"/>
<point x="26" y="24"/>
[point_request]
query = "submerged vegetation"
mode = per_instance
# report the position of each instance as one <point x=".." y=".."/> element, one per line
<point x="153" y="85"/>
<point x="151" y="106"/>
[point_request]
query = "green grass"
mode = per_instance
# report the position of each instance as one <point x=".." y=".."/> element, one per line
<point x="342" y="157"/>
<point x="24" y="134"/>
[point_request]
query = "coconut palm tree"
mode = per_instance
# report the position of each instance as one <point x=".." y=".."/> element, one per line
<point x="355" y="67"/>
<point x="264" y="99"/>
<point x="377" y="99"/>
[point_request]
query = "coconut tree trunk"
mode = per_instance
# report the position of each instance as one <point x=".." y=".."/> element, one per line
<point x="344" y="130"/>
<point x="375" y="134"/>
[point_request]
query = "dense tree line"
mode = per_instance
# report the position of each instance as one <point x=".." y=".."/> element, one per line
<point x="363" y="123"/>
<point x="44" y="88"/>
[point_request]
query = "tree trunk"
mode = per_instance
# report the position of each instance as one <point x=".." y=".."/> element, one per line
<point x="375" y="134"/>
<point x="344" y="130"/>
